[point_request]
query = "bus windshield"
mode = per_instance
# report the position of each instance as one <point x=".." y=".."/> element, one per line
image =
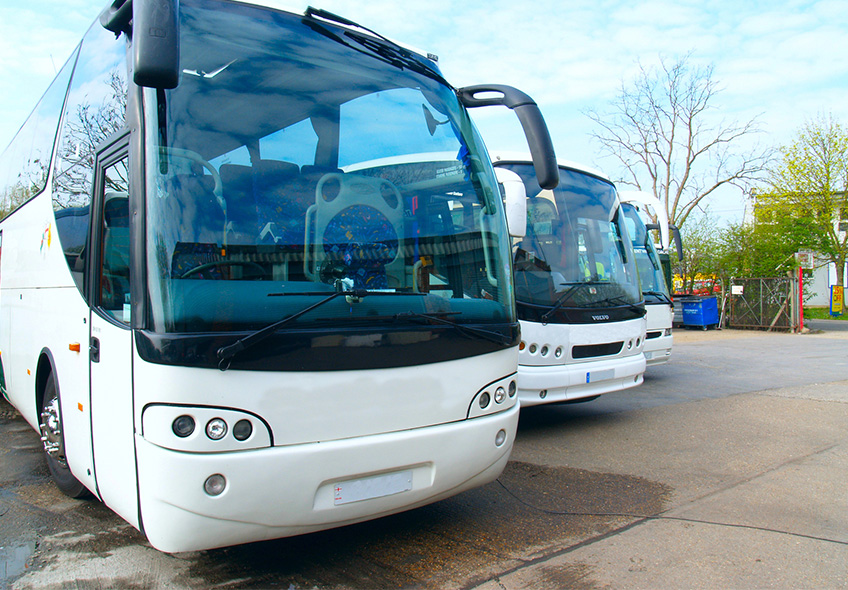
<point x="651" y="276"/>
<point x="576" y="256"/>
<point x="297" y="159"/>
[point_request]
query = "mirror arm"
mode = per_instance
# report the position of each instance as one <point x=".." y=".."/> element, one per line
<point x="532" y="122"/>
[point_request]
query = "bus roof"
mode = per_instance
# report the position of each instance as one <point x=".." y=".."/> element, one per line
<point x="525" y="157"/>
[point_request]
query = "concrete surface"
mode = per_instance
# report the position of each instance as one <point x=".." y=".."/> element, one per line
<point x="726" y="469"/>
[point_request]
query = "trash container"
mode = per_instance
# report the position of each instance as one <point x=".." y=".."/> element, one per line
<point x="700" y="312"/>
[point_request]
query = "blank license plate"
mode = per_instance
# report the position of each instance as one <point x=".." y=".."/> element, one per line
<point x="367" y="488"/>
<point x="595" y="376"/>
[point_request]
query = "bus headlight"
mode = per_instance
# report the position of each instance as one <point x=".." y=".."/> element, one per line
<point x="183" y="426"/>
<point x="242" y="430"/>
<point x="216" y="429"/>
<point x="500" y="395"/>
<point x="500" y="438"/>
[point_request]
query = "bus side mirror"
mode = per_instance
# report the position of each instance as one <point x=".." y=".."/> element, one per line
<point x="156" y="43"/>
<point x="532" y="122"/>
<point x="154" y="27"/>
<point x="515" y="201"/>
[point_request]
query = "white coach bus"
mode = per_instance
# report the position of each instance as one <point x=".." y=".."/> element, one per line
<point x="576" y="288"/>
<point x="638" y="206"/>
<point x="255" y="274"/>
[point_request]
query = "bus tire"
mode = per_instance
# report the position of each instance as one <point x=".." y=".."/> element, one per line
<point x="53" y="439"/>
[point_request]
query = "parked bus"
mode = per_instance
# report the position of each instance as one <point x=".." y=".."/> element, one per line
<point x="255" y="277"/>
<point x="637" y="206"/>
<point x="576" y="287"/>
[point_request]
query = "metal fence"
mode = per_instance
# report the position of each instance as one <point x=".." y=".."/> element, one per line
<point x="765" y="304"/>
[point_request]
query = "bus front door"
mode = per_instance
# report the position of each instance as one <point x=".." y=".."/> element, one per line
<point x="111" y="346"/>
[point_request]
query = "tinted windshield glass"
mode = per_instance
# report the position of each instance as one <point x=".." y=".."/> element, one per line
<point x="295" y="162"/>
<point x="576" y="253"/>
<point x="647" y="259"/>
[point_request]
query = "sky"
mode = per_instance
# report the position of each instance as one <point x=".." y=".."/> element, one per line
<point x="783" y="62"/>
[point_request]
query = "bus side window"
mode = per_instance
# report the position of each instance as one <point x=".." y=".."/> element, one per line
<point x="114" y="273"/>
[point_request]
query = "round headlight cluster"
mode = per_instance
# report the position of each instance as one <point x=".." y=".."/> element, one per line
<point x="216" y="429"/>
<point x="499" y="396"/>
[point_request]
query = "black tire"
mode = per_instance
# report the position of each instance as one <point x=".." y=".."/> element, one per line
<point x="52" y="435"/>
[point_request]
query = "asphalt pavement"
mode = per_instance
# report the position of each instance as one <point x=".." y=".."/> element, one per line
<point x="726" y="469"/>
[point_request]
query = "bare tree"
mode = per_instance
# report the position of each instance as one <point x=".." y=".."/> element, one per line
<point x="661" y="130"/>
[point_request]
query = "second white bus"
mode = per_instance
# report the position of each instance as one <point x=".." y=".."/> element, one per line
<point x="577" y="288"/>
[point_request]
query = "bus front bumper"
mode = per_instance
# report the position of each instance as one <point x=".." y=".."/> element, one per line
<point x="561" y="383"/>
<point x="285" y="491"/>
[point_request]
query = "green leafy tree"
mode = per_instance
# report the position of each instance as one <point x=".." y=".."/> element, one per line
<point x="700" y="252"/>
<point x="663" y="131"/>
<point x="808" y="191"/>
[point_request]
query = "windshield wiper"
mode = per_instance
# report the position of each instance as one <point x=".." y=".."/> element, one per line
<point x="467" y="330"/>
<point x="658" y="295"/>
<point x="226" y="353"/>
<point x="387" y="51"/>
<point x="560" y="301"/>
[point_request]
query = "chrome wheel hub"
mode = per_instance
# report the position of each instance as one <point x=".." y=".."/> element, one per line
<point x="51" y="431"/>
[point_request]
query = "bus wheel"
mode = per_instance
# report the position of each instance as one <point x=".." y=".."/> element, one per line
<point x="54" y="442"/>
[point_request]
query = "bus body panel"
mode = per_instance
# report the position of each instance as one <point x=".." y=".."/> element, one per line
<point x="46" y="320"/>
<point x="295" y="405"/>
<point x="659" y="339"/>
<point x="284" y="491"/>
<point x="548" y="379"/>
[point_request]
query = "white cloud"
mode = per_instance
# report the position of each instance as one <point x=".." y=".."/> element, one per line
<point x="786" y="60"/>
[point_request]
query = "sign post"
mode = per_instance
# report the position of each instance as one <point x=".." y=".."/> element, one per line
<point x="805" y="260"/>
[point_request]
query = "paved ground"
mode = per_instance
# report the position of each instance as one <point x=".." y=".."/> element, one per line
<point x="726" y="469"/>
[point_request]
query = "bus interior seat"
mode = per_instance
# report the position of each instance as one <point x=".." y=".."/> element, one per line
<point x="281" y="202"/>
<point x="242" y="222"/>
<point x="356" y="223"/>
<point x="202" y="217"/>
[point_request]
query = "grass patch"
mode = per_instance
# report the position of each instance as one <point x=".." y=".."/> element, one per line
<point x="822" y="313"/>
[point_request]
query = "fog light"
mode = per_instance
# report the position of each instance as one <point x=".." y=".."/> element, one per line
<point x="512" y="388"/>
<point x="215" y="484"/>
<point x="242" y="430"/>
<point x="500" y="395"/>
<point x="216" y="429"/>
<point x="500" y="438"/>
<point x="183" y="426"/>
<point x="485" y="398"/>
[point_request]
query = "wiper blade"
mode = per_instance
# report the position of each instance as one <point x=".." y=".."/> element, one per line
<point x="564" y="297"/>
<point x="658" y="295"/>
<point x="467" y="330"/>
<point x="387" y="51"/>
<point x="226" y="353"/>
